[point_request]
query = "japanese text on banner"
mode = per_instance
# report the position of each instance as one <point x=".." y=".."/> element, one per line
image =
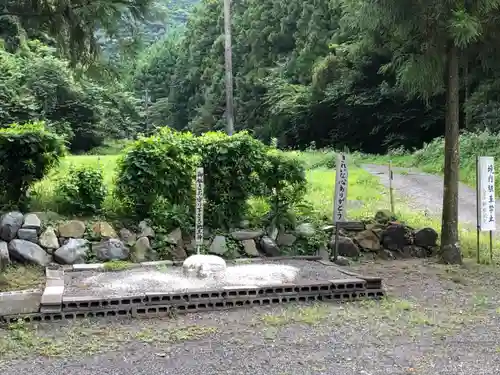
<point x="486" y="194"/>
<point x="199" y="207"/>
<point x="340" y="198"/>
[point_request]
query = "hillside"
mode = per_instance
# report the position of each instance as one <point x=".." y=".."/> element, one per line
<point x="166" y="14"/>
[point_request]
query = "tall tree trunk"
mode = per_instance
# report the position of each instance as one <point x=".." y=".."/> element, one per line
<point x="466" y="94"/>
<point x="450" y="247"/>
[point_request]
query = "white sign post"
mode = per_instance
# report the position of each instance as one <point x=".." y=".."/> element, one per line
<point x="339" y="203"/>
<point x="340" y="198"/>
<point x="199" y="209"/>
<point x="485" y="190"/>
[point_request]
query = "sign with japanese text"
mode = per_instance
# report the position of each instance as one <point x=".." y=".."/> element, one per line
<point x="199" y="208"/>
<point x="486" y="193"/>
<point x="340" y="198"/>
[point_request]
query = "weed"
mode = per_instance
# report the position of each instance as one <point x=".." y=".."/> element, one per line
<point x="21" y="277"/>
<point x="117" y="265"/>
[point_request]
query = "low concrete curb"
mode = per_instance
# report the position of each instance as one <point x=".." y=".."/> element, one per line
<point x="51" y="301"/>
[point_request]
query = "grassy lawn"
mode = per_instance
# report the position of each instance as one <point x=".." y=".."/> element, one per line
<point x="44" y="190"/>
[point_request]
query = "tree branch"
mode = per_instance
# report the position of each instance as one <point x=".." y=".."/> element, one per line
<point x="50" y="13"/>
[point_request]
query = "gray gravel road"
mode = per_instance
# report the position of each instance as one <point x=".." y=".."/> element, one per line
<point x="424" y="192"/>
<point x="438" y="320"/>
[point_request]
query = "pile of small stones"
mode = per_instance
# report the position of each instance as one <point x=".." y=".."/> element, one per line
<point x="386" y="238"/>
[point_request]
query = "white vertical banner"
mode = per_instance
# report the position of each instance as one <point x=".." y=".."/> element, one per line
<point x="340" y="197"/>
<point x="199" y="209"/>
<point x="486" y="209"/>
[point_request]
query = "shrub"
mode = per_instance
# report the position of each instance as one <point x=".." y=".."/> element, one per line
<point x="83" y="191"/>
<point x="27" y="153"/>
<point x="169" y="216"/>
<point x="158" y="166"/>
<point x="285" y="185"/>
<point x="231" y="167"/>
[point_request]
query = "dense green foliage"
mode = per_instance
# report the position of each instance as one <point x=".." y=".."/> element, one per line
<point x="155" y="177"/>
<point x="82" y="192"/>
<point x="231" y="166"/>
<point x="27" y="153"/>
<point x="158" y="167"/>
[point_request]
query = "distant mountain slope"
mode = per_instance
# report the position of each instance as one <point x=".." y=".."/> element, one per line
<point x="168" y="13"/>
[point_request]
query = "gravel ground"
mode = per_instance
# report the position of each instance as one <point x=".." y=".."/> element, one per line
<point x="436" y="320"/>
<point x="167" y="279"/>
<point x="424" y="191"/>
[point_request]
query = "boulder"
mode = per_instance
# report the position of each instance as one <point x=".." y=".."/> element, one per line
<point x="395" y="237"/>
<point x="28" y="235"/>
<point x="142" y="251"/>
<point x="219" y="245"/>
<point x="285" y="239"/>
<point x="425" y="237"/>
<point x="72" y="229"/>
<point x="368" y="240"/>
<point x="48" y="239"/>
<point x="104" y="230"/>
<point x="174" y="237"/>
<point x="10" y="223"/>
<point x="305" y="230"/>
<point x="28" y="252"/>
<point x="250" y="248"/>
<point x="74" y="252"/>
<point x="201" y="265"/>
<point x="146" y="230"/>
<point x="242" y="235"/>
<point x="127" y="236"/>
<point x="269" y="247"/>
<point x="32" y="221"/>
<point x="111" y="249"/>
<point x="4" y="255"/>
<point x="347" y="247"/>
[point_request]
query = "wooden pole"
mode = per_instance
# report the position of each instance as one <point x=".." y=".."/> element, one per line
<point x="229" y="68"/>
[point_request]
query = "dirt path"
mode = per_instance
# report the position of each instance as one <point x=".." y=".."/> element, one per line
<point x="424" y="192"/>
<point x="438" y="320"/>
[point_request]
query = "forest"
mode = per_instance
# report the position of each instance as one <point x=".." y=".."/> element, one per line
<point x="323" y="73"/>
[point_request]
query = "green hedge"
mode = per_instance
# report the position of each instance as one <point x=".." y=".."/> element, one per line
<point x="158" y="172"/>
<point x="27" y="153"/>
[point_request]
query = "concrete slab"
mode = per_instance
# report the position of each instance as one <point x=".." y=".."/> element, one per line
<point x="171" y="279"/>
<point x="20" y="302"/>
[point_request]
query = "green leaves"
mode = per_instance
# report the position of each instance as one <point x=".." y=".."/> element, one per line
<point x="464" y="28"/>
<point x="82" y="191"/>
<point x="160" y="166"/>
<point x="27" y="153"/>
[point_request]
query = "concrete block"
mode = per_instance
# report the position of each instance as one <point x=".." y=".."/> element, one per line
<point x="20" y="302"/>
<point x="88" y="267"/>
<point x="52" y="295"/>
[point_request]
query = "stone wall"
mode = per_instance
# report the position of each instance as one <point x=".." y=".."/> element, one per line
<point x="28" y="239"/>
